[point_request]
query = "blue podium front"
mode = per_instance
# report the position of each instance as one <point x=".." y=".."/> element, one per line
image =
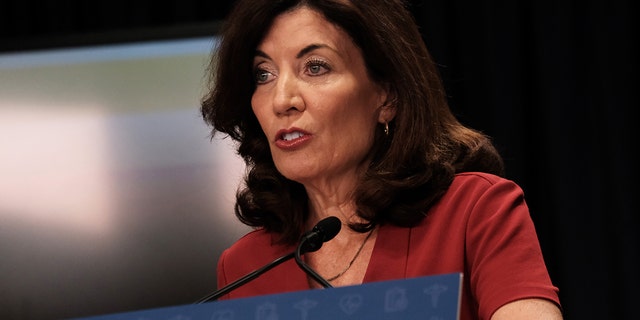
<point x="430" y="297"/>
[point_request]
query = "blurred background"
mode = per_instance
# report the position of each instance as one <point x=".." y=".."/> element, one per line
<point x="113" y="198"/>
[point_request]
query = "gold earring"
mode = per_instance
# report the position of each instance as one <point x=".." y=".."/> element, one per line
<point x="386" y="128"/>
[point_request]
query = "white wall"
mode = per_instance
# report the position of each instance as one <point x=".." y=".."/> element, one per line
<point x="112" y="196"/>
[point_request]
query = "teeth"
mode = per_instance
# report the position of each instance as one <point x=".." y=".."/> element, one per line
<point x="292" y="135"/>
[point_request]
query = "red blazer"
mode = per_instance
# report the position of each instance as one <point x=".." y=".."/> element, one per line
<point x="481" y="227"/>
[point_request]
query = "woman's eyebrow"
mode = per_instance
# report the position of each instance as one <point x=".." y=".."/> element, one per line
<point x="310" y="48"/>
<point x="260" y="53"/>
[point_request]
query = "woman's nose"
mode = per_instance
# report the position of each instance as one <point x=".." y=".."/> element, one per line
<point x="287" y="98"/>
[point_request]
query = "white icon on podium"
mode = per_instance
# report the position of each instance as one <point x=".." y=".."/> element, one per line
<point x="304" y="306"/>
<point x="396" y="300"/>
<point x="267" y="311"/>
<point x="434" y="291"/>
<point x="350" y="303"/>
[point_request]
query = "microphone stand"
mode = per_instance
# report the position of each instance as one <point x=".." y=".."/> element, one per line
<point x="305" y="267"/>
<point x="250" y="276"/>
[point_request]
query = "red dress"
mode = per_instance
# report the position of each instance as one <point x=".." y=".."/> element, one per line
<point x="481" y="227"/>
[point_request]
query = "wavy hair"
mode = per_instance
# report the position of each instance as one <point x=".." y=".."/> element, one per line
<point x="410" y="168"/>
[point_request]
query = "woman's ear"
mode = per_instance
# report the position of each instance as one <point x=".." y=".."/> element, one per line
<point x="387" y="113"/>
<point x="388" y="108"/>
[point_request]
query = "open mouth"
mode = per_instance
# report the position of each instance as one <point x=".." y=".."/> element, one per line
<point x="292" y="139"/>
<point x="292" y="135"/>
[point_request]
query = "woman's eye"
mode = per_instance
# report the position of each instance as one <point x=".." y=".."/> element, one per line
<point x="262" y="76"/>
<point x="316" y="68"/>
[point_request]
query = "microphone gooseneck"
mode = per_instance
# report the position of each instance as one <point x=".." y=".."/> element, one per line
<point x="322" y="232"/>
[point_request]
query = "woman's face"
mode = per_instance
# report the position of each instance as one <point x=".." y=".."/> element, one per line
<point x="314" y="99"/>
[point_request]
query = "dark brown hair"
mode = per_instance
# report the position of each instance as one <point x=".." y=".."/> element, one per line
<point x="411" y="167"/>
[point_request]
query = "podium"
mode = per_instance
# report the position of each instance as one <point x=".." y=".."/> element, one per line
<point x="429" y="297"/>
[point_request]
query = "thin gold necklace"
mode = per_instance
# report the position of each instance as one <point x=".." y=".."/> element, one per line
<point x="354" y="258"/>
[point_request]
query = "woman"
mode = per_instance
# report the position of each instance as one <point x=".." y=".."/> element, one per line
<point x="339" y="111"/>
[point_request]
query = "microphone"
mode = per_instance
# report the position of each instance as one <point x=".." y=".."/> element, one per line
<point x="322" y="232"/>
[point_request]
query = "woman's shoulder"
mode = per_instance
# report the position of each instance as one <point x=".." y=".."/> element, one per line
<point x="468" y="188"/>
<point x="251" y="239"/>
<point x="478" y="177"/>
<point x="481" y="181"/>
<point x="257" y="244"/>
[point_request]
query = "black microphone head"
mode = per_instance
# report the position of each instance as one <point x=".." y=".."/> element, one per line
<point x="328" y="228"/>
<point x="322" y="232"/>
